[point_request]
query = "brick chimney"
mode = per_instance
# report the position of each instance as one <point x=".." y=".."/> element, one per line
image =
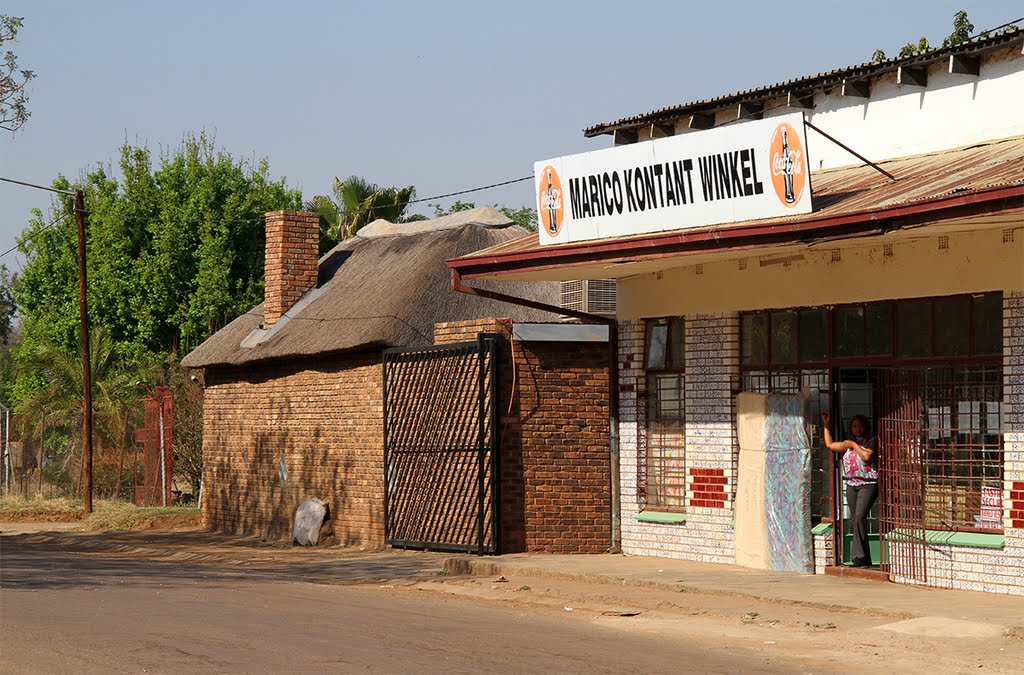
<point x="293" y="239"/>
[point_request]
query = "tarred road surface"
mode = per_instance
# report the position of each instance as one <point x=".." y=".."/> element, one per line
<point x="64" y="611"/>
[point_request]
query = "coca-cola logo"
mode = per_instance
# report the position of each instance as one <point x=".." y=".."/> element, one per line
<point x="550" y="205"/>
<point x="788" y="165"/>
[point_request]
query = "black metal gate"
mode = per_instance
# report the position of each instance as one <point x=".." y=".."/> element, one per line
<point x="901" y="471"/>
<point x="441" y="445"/>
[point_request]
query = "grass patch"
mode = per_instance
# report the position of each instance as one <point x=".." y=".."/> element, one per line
<point x="18" y="509"/>
<point x="107" y="514"/>
<point x="113" y="515"/>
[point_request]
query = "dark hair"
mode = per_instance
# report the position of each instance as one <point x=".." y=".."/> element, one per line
<point x="864" y="421"/>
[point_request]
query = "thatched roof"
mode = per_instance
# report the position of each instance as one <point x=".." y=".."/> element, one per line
<point x="385" y="287"/>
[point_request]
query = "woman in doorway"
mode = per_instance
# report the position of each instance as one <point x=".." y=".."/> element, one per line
<point x="860" y="474"/>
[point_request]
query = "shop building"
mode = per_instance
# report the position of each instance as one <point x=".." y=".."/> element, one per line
<point x="887" y="279"/>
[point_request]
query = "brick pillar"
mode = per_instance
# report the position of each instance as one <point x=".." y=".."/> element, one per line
<point x="292" y="257"/>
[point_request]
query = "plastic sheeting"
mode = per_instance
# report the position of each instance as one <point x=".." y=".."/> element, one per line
<point x="773" y="519"/>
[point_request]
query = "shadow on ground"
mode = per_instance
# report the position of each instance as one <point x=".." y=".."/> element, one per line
<point x="52" y="560"/>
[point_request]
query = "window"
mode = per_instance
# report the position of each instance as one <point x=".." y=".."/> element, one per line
<point x="961" y="439"/>
<point x="662" y="480"/>
<point x="954" y="343"/>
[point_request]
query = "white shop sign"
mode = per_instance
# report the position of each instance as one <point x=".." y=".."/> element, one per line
<point x="743" y="171"/>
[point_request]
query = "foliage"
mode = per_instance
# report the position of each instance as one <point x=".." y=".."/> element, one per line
<point x="13" y="112"/>
<point x="963" y="29"/>
<point x="7" y="306"/>
<point x="175" y="251"/>
<point x="912" y="49"/>
<point x="525" y="216"/>
<point x="356" y="203"/>
<point x="10" y="336"/>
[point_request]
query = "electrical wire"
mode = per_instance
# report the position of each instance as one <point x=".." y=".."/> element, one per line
<point x="236" y="220"/>
<point x="34" y="234"/>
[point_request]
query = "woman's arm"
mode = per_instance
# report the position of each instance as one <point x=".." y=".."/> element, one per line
<point x="866" y="451"/>
<point x="834" y="446"/>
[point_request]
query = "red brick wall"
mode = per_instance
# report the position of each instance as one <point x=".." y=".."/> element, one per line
<point x="327" y="422"/>
<point x="556" y="472"/>
<point x="292" y="256"/>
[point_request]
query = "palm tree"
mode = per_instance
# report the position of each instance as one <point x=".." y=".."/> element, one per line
<point x="61" y="397"/>
<point x="356" y="203"/>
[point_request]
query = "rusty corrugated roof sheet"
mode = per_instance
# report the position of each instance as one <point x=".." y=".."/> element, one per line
<point x="856" y="192"/>
<point x="804" y="84"/>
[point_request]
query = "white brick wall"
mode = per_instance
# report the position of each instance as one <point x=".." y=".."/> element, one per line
<point x="712" y="372"/>
<point x="823" y="552"/>
<point x="712" y="347"/>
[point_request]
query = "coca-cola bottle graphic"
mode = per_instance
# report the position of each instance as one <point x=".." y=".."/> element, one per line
<point x="552" y="207"/>
<point x="787" y="168"/>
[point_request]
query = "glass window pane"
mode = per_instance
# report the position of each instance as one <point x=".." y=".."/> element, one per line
<point x="879" y="329"/>
<point x="813" y="335"/>
<point x="677" y="348"/>
<point x="914" y="328"/>
<point x="657" y="342"/>
<point x="848" y="326"/>
<point x="783" y="337"/>
<point x="755" y="338"/>
<point x="988" y="324"/>
<point x="952" y="326"/>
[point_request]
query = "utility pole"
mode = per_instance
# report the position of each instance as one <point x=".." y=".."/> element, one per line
<point x="86" y="368"/>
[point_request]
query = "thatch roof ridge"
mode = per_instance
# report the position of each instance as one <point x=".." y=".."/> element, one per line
<point x="375" y="292"/>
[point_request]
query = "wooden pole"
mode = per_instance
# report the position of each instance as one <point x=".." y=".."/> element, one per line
<point x="42" y="442"/>
<point x="86" y="369"/>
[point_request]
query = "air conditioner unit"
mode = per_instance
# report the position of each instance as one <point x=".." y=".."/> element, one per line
<point x="594" y="296"/>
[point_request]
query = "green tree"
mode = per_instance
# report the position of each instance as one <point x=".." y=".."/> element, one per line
<point x="356" y="203"/>
<point x="13" y="112"/>
<point x="60" y="395"/>
<point x="175" y="249"/>
<point x="7" y="306"/>
<point x="524" y="216"/>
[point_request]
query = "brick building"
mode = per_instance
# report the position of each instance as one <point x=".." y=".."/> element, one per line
<point x="293" y="404"/>
<point x="854" y="236"/>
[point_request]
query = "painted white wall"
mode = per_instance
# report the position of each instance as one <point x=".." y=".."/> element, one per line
<point x="901" y="120"/>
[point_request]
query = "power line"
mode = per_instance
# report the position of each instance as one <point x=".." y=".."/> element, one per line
<point x="34" y="234"/>
<point x="237" y="220"/>
<point x="70" y="193"/>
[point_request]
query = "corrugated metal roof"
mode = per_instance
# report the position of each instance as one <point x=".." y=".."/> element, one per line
<point x="805" y="84"/>
<point x="851" y="191"/>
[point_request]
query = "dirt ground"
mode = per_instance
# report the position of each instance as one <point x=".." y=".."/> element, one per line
<point x="760" y="634"/>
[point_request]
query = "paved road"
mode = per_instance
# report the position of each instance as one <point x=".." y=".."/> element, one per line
<point x="64" y="611"/>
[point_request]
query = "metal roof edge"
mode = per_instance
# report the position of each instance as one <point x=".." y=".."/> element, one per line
<point x="741" y="237"/>
<point x="828" y="78"/>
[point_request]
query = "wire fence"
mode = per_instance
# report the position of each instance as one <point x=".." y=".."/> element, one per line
<point x="41" y="458"/>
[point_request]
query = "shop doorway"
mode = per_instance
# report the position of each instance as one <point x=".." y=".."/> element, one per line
<point x="855" y="394"/>
<point x="939" y="439"/>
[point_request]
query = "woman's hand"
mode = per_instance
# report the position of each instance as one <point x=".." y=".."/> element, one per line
<point x="826" y="419"/>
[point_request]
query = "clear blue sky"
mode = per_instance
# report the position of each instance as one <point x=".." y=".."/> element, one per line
<point x="440" y="95"/>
